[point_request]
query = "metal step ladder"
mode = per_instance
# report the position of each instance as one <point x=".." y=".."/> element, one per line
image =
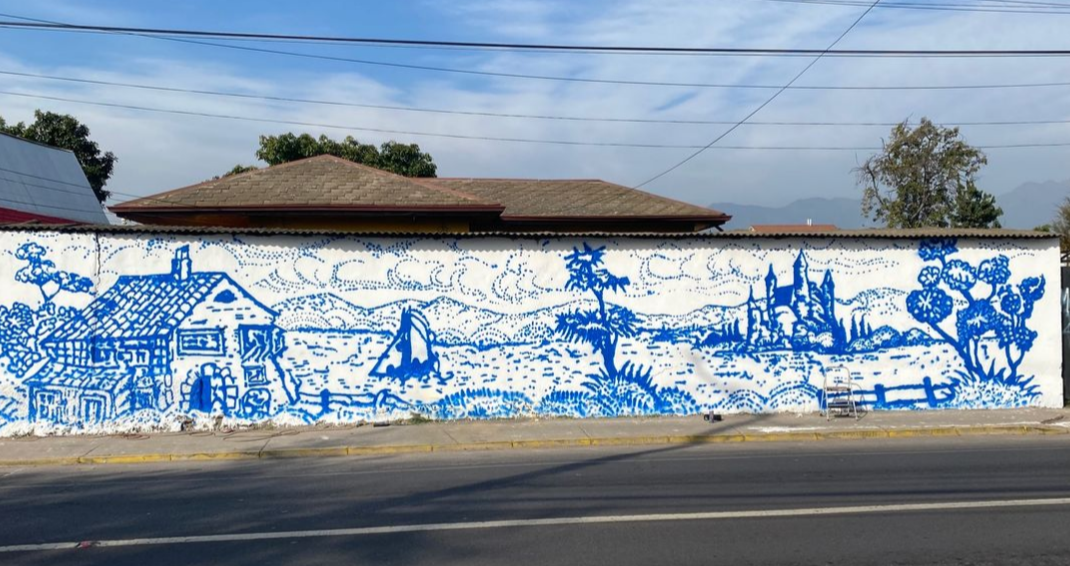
<point x="838" y="392"/>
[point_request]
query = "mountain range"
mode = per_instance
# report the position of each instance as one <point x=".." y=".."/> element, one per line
<point x="1026" y="207"/>
<point x="454" y="322"/>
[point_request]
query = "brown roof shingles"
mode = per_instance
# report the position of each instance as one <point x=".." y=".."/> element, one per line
<point x="327" y="182"/>
<point x="575" y="198"/>
<point x="317" y="182"/>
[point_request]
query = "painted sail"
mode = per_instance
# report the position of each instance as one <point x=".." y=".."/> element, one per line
<point x="410" y="354"/>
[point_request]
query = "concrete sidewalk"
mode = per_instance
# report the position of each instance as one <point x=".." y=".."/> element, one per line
<point x="517" y="434"/>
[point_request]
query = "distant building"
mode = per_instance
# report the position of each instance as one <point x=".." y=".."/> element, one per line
<point x="45" y="184"/>
<point x="329" y="193"/>
<point x="808" y="228"/>
<point x="194" y="341"/>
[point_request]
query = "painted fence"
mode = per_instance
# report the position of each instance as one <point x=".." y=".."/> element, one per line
<point x="132" y="330"/>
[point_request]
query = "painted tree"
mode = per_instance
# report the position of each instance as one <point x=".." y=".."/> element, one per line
<point x="988" y="307"/>
<point x="21" y="326"/>
<point x="43" y="274"/>
<point x="604" y="326"/>
<point x="618" y="388"/>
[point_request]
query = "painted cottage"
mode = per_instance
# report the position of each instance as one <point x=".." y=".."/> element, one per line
<point x="183" y="341"/>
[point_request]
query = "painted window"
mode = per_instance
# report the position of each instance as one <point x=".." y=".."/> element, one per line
<point x="201" y="342"/>
<point x="103" y="355"/>
<point x="258" y="343"/>
<point x="48" y="406"/>
<point x="255" y="375"/>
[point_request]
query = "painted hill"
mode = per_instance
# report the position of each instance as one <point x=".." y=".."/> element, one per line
<point x="454" y="322"/>
<point x="451" y="320"/>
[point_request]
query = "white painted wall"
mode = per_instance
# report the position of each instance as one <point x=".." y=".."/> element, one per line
<point x="492" y="306"/>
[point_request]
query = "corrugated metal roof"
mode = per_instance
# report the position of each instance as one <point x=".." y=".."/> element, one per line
<point x="40" y="179"/>
<point x="882" y="233"/>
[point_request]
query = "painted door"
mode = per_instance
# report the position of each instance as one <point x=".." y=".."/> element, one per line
<point x="92" y="410"/>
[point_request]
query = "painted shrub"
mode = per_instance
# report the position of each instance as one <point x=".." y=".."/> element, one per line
<point x="121" y="331"/>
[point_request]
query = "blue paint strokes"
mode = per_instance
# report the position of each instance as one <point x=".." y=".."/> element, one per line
<point x="184" y="339"/>
<point x="198" y="342"/>
<point x="628" y="389"/>
<point x="411" y="353"/>
<point x="994" y="307"/>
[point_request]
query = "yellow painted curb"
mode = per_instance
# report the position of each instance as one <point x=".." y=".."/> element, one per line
<point x="202" y="456"/>
<point x="472" y="446"/>
<point x="305" y="452"/>
<point x="125" y="459"/>
<point x="63" y="461"/>
<point x="917" y="432"/>
<point x="704" y="439"/>
<point x="379" y="450"/>
<point x="781" y="437"/>
<point x="560" y="443"/>
<point x="543" y="444"/>
<point x="630" y="441"/>
<point x="852" y="434"/>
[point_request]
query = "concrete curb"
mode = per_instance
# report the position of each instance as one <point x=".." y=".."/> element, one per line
<point x="336" y="451"/>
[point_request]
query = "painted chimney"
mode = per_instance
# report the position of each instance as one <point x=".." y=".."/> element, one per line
<point x="180" y="265"/>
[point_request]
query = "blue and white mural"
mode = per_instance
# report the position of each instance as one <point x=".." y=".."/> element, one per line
<point x="131" y="332"/>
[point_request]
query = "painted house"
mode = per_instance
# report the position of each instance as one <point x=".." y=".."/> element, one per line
<point x="183" y="340"/>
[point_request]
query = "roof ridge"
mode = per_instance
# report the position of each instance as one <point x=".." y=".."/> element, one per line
<point x="417" y="181"/>
<point x="421" y="181"/>
<point x="35" y="142"/>
<point x="668" y="199"/>
<point x="527" y="179"/>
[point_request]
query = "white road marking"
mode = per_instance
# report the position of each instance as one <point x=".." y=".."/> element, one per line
<point x="520" y="523"/>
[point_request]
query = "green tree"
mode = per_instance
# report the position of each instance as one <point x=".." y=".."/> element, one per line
<point x="399" y="158"/>
<point x="1061" y="224"/>
<point x="925" y="177"/>
<point x="65" y="131"/>
<point x="236" y="170"/>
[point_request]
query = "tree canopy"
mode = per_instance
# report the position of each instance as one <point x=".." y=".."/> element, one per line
<point x="65" y="131"/>
<point x="1061" y="224"/>
<point x="925" y="177"/>
<point x="399" y="158"/>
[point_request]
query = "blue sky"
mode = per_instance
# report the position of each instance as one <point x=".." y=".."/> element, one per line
<point x="159" y="152"/>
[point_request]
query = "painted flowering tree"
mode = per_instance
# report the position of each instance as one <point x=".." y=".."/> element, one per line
<point x="22" y="325"/>
<point x="985" y="309"/>
<point x="619" y="388"/>
<point x="42" y="273"/>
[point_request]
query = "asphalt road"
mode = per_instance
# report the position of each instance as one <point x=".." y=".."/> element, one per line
<point x="757" y="504"/>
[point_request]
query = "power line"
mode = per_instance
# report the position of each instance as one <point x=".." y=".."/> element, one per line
<point x="338" y="127"/>
<point x="169" y="33"/>
<point x="587" y="80"/>
<point x="440" y="111"/>
<point x="512" y="140"/>
<point x="1038" y="8"/>
<point x="160" y="88"/>
<point x="768" y="101"/>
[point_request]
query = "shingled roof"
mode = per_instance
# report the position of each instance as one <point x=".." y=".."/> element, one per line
<point x="576" y="198"/>
<point x="324" y="182"/>
<point x="331" y="185"/>
<point x="139" y="306"/>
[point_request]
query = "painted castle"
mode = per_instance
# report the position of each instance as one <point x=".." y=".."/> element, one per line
<point x="801" y="315"/>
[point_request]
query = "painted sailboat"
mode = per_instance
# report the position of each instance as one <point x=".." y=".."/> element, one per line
<point x="410" y="354"/>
